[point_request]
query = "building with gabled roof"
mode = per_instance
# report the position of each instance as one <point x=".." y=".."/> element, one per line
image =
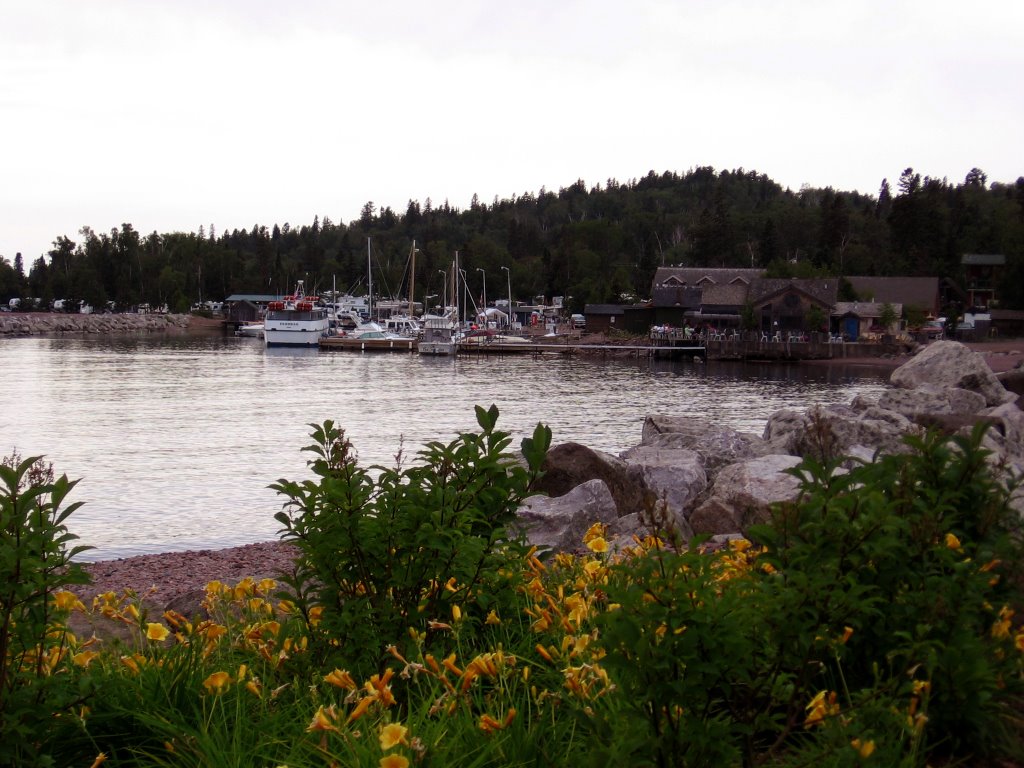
<point x="921" y="293"/>
<point x="982" y="272"/>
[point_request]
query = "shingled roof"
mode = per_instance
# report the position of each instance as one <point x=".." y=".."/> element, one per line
<point x="920" y="292"/>
<point x="682" y="286"/>
<point x="822" y="290"/>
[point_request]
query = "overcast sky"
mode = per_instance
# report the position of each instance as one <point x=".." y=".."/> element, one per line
<point x="174" y="114"/>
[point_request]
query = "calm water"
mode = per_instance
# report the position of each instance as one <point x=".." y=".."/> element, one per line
<point x="175" y="439"/>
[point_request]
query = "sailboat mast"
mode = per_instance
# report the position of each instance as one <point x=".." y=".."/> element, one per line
<point x="412" y="280"/>
<point x="369" y="280"/>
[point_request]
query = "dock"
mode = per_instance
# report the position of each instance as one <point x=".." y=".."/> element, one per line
<point x="341" y="343"/>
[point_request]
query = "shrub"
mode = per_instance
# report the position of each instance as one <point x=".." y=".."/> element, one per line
<point x="34" y="563"/>
<point x="416" y="548"/>
<point x="878" y="615"/>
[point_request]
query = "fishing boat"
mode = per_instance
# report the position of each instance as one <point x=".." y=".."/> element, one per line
<point x="296" y="320"/>
<point x="438" y="336"/>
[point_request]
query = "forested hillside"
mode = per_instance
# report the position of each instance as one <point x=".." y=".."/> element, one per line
<point x="592" y="244"/>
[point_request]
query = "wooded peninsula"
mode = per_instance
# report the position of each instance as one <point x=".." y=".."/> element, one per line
<point x="589" y="244"/>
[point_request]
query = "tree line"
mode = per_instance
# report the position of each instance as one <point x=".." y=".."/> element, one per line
<point x="589" y="244"/>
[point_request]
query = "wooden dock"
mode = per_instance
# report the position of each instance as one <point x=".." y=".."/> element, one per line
<point x="368" y="345"/>
<point x="511" y="348"/>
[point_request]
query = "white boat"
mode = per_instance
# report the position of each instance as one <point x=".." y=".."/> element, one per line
<point x="371" y="330"/>
<point x="403" y="325"/>
<point x="252" y="330"/>
<point x="438" y="336"/>
<point x="295" y="320"/>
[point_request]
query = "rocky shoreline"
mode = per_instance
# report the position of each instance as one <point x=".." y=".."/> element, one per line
<point x="43" y="323"/>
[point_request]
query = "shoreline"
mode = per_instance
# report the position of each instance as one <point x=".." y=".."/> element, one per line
<point x="182" y="573"/>
<point x="165" y="578"/>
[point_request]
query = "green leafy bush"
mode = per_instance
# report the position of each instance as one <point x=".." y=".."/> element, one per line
<point x="877" y="614"/>
<point x="34" y="563"/>
<point x="416" y="547"/>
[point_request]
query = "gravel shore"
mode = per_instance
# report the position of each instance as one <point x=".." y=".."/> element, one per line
<point x="176" y="574"/>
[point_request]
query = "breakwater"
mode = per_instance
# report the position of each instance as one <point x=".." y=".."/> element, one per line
<point x="45" y="323"/>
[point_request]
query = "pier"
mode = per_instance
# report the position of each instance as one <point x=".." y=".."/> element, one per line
<point x="340" y="343"/>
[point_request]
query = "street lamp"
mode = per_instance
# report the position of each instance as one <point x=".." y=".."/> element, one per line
<point x="508" y="275"/>
<point x="480" y="270"/>
<point x="465" y="287"/>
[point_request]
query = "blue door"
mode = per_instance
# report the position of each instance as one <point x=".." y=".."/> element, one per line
<point x="851" y="326"/>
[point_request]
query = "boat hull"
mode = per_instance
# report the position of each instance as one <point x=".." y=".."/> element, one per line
<point x="293" y="337"/>
<point x="437" y="347"/>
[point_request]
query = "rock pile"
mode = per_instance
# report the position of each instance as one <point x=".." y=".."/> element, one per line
<point x="702" y="478"/>
<point x="46" y="323"/>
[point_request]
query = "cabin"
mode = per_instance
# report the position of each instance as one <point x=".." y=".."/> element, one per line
<point x="982" y="273"/>
<point x="790" y="305"/>
<point x="856" y="320"/>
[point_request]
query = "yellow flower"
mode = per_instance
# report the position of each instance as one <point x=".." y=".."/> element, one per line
<point x="323" y="720"/>
<point x="156" y="631"/>
<point x="488" y="724"/>
<point x="100" y="759"/>
<point x="596" y="531"/>
<point x="66" y="601"/>
<point x="84" y="659"/>
<point x="847" y="634"/>
<point x="341" y="679"/>
<point x="952" y="542"/>
<point x="394" y="761"/>
<point x="863" y="748"/>
<point x="392" y="735"/>
<point x="822" y="705"/>
<point x="597" y="544"/>
<point x="217" y="682"/>
<point x="456" y="614"/>
<point x="492" y="618"/>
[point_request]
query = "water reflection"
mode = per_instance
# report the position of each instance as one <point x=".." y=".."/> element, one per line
<point x="176" y="438"/>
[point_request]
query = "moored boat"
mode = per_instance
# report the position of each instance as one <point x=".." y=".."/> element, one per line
<point x="296" y="320"/>
<point x="438" y="336"/>
<point x="252" y="330"/>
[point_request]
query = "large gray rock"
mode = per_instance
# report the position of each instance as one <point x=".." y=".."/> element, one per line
<point x="716" y="445"/>
<point x="743" y="494"/>
<point x="948" y="364"/>
<point x="568" y="465"/>
<point x="1006" y="435"/>
<point x="560" y="523"/>
<point x="836" y="430"/>
<point x="931" y="400"/>
<point x="673" y="478"/>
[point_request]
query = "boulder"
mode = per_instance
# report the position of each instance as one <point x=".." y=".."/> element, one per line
<point x="743" y="494"/>
<point x="1006" y="436"/>
<point x="1013" y="381"/>
<point x="672" y="477"/>
<point x="931" y="400"/>
<point x="559" y="523"/>
<point x="948" y="364"/>
<point x="836" y="430"/>
<point x="570" y="464"/>
<point x="716" y="445"/>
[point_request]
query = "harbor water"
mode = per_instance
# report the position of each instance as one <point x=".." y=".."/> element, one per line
<point x="176" y="438"/>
